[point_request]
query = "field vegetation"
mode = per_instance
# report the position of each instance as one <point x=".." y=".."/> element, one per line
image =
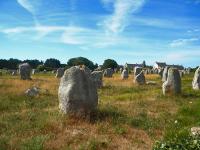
<point x="128" y="116"/>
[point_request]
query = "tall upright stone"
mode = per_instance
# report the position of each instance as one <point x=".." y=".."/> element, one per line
<point x="165" y="74"/>
<point x="77" y="92"/>
<point x="140" y="78"/>
<point x="25" y="71"/>
<point x="196" y="80"/>
<point x="137" y="70"/>
<point x="108" y="73"/>
<point x="173" y="83"/>
<point x="97" y="77"/>
<point x="60" y="72"/>
<point x="124" y="74"/>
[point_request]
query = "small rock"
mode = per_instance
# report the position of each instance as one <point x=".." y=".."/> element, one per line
<point x="32" y="92"/>
<point x="195" y="130"/>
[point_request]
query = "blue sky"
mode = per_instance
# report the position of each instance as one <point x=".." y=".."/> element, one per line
<point x="125" y="30"/>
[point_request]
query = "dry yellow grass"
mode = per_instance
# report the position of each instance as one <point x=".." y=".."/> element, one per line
<point x="129" y="116"/>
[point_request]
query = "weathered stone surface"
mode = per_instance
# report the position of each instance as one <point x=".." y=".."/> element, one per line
<point x="165" y="74"/>
<point x="173" y="83"/>
<point x="97" y="77"/>
<point x="77" y="92"/>
<point x="108" y="73"/>
<point x="196" y="80"/>
<point x="137" y="70"/>
<point x="25" y="71"/>
<point x="124" y="74"/>
<point x="32" y="92"/>
<point x="195" y="131"/>
<point x="140" y="78"/>
<point x="60" y="72"/>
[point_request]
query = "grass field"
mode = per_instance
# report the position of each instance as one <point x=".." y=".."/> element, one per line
<point x="128" y="117"/>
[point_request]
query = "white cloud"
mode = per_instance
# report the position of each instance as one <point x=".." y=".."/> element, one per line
<point x="27" y="5"/>
<point x="182" y="42"/>
<point x="121" y="13"/>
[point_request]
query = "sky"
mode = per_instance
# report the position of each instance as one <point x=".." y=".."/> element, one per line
<point x="128" y="31"/>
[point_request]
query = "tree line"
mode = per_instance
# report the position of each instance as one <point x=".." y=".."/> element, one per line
<point x="52" y="63"/>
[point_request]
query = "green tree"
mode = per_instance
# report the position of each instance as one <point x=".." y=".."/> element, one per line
<point x="81" y="61"/>
<point x="52" y="63"/>
<point x="144" y="64"/>
<point x="110" y="63"/>
<point x="33" y="63"/>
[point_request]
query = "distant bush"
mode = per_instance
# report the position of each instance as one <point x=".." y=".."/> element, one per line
<point x="52" y="63"/>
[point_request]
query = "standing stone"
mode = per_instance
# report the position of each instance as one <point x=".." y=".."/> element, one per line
<point x="137" y="70"/>
<point x="173" y="83"/>
<point x="97" y="77"/>
<point x="14" y="72"/>
<point x="33" y="71"/>
<point x="77" y="92"/>
<point x="60" y="72"/>
<point x="188" y="70"/>
<point x="121" y="69"/>
<point x="181" y="73"/>
<point x="196" y="80"/>
<point x="160" y="72"/>
<point x="165" y="74"/>
<point x="124" y="74"/>
<point x="140" y="78"/>
<point x="108" y="73"/>
<point x="25" y="71"/>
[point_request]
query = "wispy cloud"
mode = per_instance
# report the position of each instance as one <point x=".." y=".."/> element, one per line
<point x="27" y="5"/>
<point x="122" y="10"/>
<point x="182" y="42"/>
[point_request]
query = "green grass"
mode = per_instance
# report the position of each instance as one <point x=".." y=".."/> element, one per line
<point x="128" y="116"/>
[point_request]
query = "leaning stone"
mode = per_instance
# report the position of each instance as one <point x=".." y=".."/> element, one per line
<point x="196" y="80"/>
<point x="140" y="78"/>
<point x="165" y="74"/>
<point x="32" y="92"/>
<point x="97" y="78"/>
<point x="77" y="92"/>
<point x="124" y="74"/>
<point x="108" y="73"/>
<point x="60" y="72"/>
<point x="25" y="71"/>
<point x="173" y="83"/>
